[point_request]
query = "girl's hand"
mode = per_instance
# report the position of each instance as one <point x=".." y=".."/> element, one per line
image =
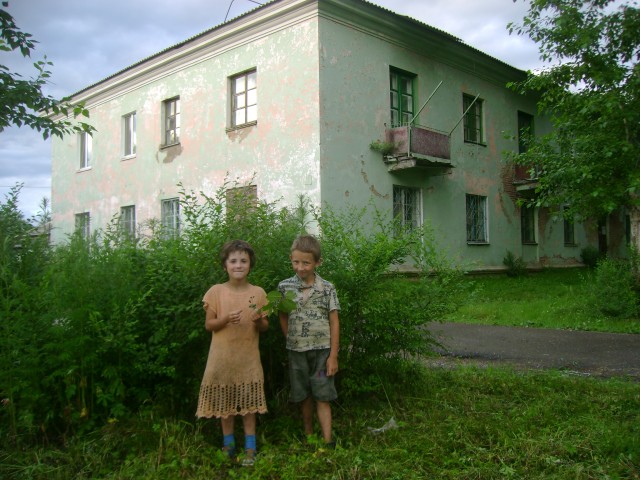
<point x="259" y="317"/>
<point x="234" y="317"/>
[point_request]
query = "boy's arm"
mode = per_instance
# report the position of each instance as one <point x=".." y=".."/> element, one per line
<point x="334" y="330"/>
<point x="284" y="323"/>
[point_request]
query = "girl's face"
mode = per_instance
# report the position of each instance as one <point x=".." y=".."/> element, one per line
<point x="238" y="265"/>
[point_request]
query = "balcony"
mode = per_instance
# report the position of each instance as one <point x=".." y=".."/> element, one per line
<point x="525" y="179"/>
<point x="417" y="147"/>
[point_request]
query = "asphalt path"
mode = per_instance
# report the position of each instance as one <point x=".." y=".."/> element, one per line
<point x="578" y="352"/>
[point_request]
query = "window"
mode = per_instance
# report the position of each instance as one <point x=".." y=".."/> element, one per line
<point x="129" y="134"/>
<point x="244" y="99"/>
<point x="86" y="150"/>
<point x="525" y="131"/>
<point x="472" y="109"/>
<point x="82" y="222"/>
<point x="241" y="199"/>
<point x="171" y="121"/>
<point x="401" y="97"/>
<point x="128" y="221"/>
<point x="406" y="207"/>
<point x="477" y="231"/>
<point x="528" y="224"/>
<point x="170" y="217"/>
<point x="569" y="232"/>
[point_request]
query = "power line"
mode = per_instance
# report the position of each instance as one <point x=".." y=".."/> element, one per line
<point x="229" y="9"/>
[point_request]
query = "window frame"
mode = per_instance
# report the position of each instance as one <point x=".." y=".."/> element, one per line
<point x="569" y="231"/>
<point x="476" y="211"/>
<point x="528" y="225"/>
<point x="473" y="133"/>
<point x="82" y="225"/>
<point x="397" y="95"/>
<point x="129" y="138"/>
<point x="244" y="100"/>
<point x="85" y="146"/>
<point x="171" y="121"/>
<point x="407" y="205"/>
<point x="127" y="220"/>
<point x="170" y="217"/>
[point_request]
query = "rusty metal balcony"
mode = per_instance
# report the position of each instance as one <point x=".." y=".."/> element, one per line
<point x="525" y="179"/>
<point x="418" y="147"/>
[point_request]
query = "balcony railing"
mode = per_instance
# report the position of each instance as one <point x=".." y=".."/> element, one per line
<point x="418" y="147"/>
<point x="525" y="179"/>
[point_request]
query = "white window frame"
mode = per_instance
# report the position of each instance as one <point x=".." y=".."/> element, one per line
<point x="171" y="121"/>
<point x="407" y="206"/>
<point x="127" y="220"/>
<point x="243" y="90"/>
<point x="83" y="224"/>
<point x="170" y="216"/>
<point x="85" y="143"/>
<point x="477" y="219"/>
<point x="129" y="140"/>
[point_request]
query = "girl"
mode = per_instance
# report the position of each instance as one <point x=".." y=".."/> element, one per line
<point x="233" y="381"/>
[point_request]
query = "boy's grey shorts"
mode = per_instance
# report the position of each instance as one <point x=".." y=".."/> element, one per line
<point x="308" y="375"/>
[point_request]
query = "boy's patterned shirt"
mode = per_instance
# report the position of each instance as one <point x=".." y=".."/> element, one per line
<point x="309" y="322"/>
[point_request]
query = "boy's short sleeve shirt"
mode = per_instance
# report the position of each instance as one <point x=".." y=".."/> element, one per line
<point x="309" y="322"/>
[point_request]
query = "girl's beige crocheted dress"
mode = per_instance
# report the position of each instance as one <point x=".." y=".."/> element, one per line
<point x="233" y="381"/>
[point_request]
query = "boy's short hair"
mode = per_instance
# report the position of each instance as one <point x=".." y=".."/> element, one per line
<point x="307" y="244"/>
<point x="237" y="246"/>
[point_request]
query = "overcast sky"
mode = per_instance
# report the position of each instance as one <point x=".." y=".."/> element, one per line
<point x="88" y="40"/>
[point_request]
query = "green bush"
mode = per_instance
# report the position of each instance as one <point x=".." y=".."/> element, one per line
<point x="590" y="256"/>
<point x="516" y="266"/>
<point x="615" y="289"/>
<point x="97" y="329"/>
<point x="383" y="314"/>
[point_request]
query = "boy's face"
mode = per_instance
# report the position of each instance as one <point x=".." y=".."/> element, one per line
<point x="304" y="264"/>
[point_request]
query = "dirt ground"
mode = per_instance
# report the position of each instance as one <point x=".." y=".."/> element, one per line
<point x="573" y="352"/>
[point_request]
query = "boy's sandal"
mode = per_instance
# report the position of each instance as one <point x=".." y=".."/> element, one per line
<point x="249" y="457"/>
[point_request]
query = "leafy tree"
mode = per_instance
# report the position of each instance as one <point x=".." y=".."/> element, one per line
<point x="22" y="101"/>
<point x="590" y="90"/>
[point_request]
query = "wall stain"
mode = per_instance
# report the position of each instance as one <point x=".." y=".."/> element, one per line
<point x="171" y="153"/>
<point x="377" y="193"/>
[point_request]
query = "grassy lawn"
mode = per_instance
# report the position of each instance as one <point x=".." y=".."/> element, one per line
<point x="452" y="424"/>
<point x="548" y="299"/>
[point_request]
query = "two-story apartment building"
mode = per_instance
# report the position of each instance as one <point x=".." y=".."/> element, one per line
<point x="289" y="98"/>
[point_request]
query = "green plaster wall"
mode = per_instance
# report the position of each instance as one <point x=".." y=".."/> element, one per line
<point x="280" y="154"/>
<point x="354" y="105"/>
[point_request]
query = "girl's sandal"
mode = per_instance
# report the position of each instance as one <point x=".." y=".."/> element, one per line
<point x="229" y="453"/>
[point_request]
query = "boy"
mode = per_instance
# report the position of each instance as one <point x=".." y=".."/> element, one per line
<point x="312" y="331"/>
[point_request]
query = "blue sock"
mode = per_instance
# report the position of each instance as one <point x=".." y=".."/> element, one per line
<point x="229" y="441"/>
<point x="250" y="442"/>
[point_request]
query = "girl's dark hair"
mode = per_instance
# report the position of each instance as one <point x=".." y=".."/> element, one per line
<point x="237" y="246"/>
